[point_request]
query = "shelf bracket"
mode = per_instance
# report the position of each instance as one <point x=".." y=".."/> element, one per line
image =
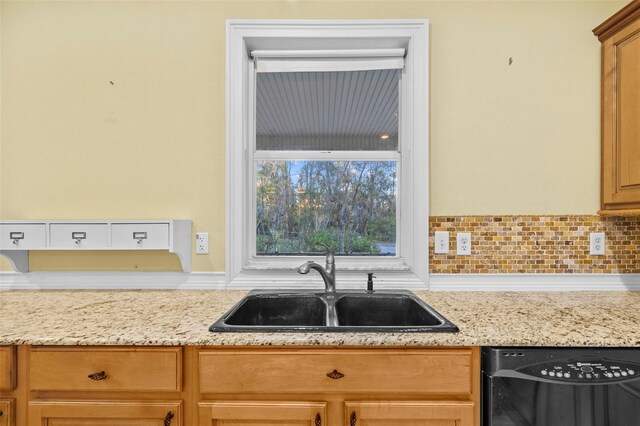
<point x="18" y="258"/>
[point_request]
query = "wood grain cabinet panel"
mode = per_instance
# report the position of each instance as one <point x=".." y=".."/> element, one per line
<point x="105" y="413"/>
<point x="620" y="37"/>
<point x="7" y="412"/>
<point x="7" y="368"/>
<point x="409" y="413"/>
<point x="345" y="370"/>
<point x="106" y="369"/>
<point x="262" y="413"/>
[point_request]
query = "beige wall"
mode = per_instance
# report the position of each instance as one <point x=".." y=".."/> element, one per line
<point x="507" y="139"/>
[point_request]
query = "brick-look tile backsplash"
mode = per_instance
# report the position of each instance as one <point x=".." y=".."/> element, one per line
<point x="536" y="244"/>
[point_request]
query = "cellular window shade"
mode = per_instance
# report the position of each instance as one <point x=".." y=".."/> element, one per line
<point x="327" y="60"/>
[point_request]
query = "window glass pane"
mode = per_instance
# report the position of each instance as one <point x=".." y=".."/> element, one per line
<point x="347" y="205"/>
<point x="327" y="111"/>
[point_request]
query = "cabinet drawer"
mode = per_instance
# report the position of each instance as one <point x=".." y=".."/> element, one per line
<point x="113" y="369"/>
<point x="140" y="235"/>
<point x="7" y="412"/>
<point x="22" y="236"/>
<point x="7" y="368"/>
<point x="79" y="235"/>
<point x="288" y="371"/>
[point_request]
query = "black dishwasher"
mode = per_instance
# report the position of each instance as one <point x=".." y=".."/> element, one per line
<point x="560" y="387"/>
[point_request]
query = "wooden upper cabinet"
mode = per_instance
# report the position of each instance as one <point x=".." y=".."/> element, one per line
<point x="620" y="38"/>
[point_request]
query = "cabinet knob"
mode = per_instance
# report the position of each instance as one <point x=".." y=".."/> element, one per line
<point x="335" y="374"/>
<point x="318" y="420"/>
<point x="100" y="375"/>
<point x="353" y="419"/>
<point x="168" y="418"/>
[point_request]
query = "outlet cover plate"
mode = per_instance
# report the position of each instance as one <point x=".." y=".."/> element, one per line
<point x="202" y="242"/>
<point x="442" y="242"/>
<point x="597" y="244"/>
<point x="463" y="242"/>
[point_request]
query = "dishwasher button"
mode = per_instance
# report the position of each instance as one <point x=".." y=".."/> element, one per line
<point x="543" y="372"/>
<point x="616" y="374"/>
<point x="624" y="374"/>
<point x="552" y="373"/>
<point x="609" y="375"/>
<point x="567" y="375"/>
<point x="631" y="372"/>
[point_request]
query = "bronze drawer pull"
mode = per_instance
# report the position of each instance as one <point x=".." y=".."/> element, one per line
<point x="353" y="419"/>
<point x="168" y="418"/>
<point x="335" y="374"/>
<point x="100" y="375"/>
<point x="318" y="420"/>
<point x="1" y="413"/>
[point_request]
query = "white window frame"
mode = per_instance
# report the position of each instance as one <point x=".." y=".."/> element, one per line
<point x="407" y="270"/>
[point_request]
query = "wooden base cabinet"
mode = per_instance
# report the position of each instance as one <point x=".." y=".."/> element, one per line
<point x="348" y="386"/>
<point x="105" y="413"/>
<point x="7" y="412"/>
<point x="241" y="386"/>
<point x="409" y="413"/>
<point x="263" y="413"/>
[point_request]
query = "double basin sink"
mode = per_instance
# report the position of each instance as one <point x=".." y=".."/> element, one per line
<point x="380" y="311"/>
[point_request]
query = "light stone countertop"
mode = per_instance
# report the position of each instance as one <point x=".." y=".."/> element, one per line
<point x="182" y="318"/>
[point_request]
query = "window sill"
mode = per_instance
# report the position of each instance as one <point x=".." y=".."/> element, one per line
<point x="345" y="279"/>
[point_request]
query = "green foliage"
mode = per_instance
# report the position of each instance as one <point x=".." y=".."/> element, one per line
<point x="346" y="205"/>
<point x="318" y="239"/>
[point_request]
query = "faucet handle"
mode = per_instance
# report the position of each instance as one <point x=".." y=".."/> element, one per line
<point x="329" y="253"/>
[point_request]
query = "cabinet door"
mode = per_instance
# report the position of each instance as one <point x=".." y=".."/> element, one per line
<point x="621" y="119"/>
<point x="263" y="413"/>
<point x="409" y="413"/>
<point x="104" y="413"/>
<point x="7" y="416"/>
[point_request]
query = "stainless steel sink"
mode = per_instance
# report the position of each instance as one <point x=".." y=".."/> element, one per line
<point x="381" y="311"/>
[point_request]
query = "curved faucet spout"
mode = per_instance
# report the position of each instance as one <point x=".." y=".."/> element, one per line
<point x="328" y="274"/>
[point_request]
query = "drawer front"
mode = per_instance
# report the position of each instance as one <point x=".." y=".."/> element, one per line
<point x="140" y="235"/>
<point x="7" y="368"/>
<point x="7" y="412"/>
<point x="385" y="371"/>
<point x="22" y="236"/>
<point x="68" y="369"/>
<point x="79" y="235"/>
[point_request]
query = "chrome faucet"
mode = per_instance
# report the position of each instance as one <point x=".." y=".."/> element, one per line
<point x="328" y="273"/>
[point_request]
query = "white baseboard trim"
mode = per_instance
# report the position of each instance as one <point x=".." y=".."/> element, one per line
<point x="534" y="282"/>
<point x="112" y="281"/>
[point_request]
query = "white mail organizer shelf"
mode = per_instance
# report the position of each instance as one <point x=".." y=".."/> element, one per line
<point x="18" y="238"/>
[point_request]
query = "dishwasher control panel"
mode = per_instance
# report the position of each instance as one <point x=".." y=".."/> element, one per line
<point x="584" y="371"/>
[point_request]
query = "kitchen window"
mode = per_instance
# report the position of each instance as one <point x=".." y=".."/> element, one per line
<point x="327" y="146"/>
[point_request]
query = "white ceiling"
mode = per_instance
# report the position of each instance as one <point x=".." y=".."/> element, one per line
<point x="342" y="110"/>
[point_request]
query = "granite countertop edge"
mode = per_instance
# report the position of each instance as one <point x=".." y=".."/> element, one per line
<point x="182" y="318"/>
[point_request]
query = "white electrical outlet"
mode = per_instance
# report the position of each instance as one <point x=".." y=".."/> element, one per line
<point x="463" y="240"/>
<point x="442" y="242"/>
<point x="202" y="242"/>
<point x="597" y="244"/>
